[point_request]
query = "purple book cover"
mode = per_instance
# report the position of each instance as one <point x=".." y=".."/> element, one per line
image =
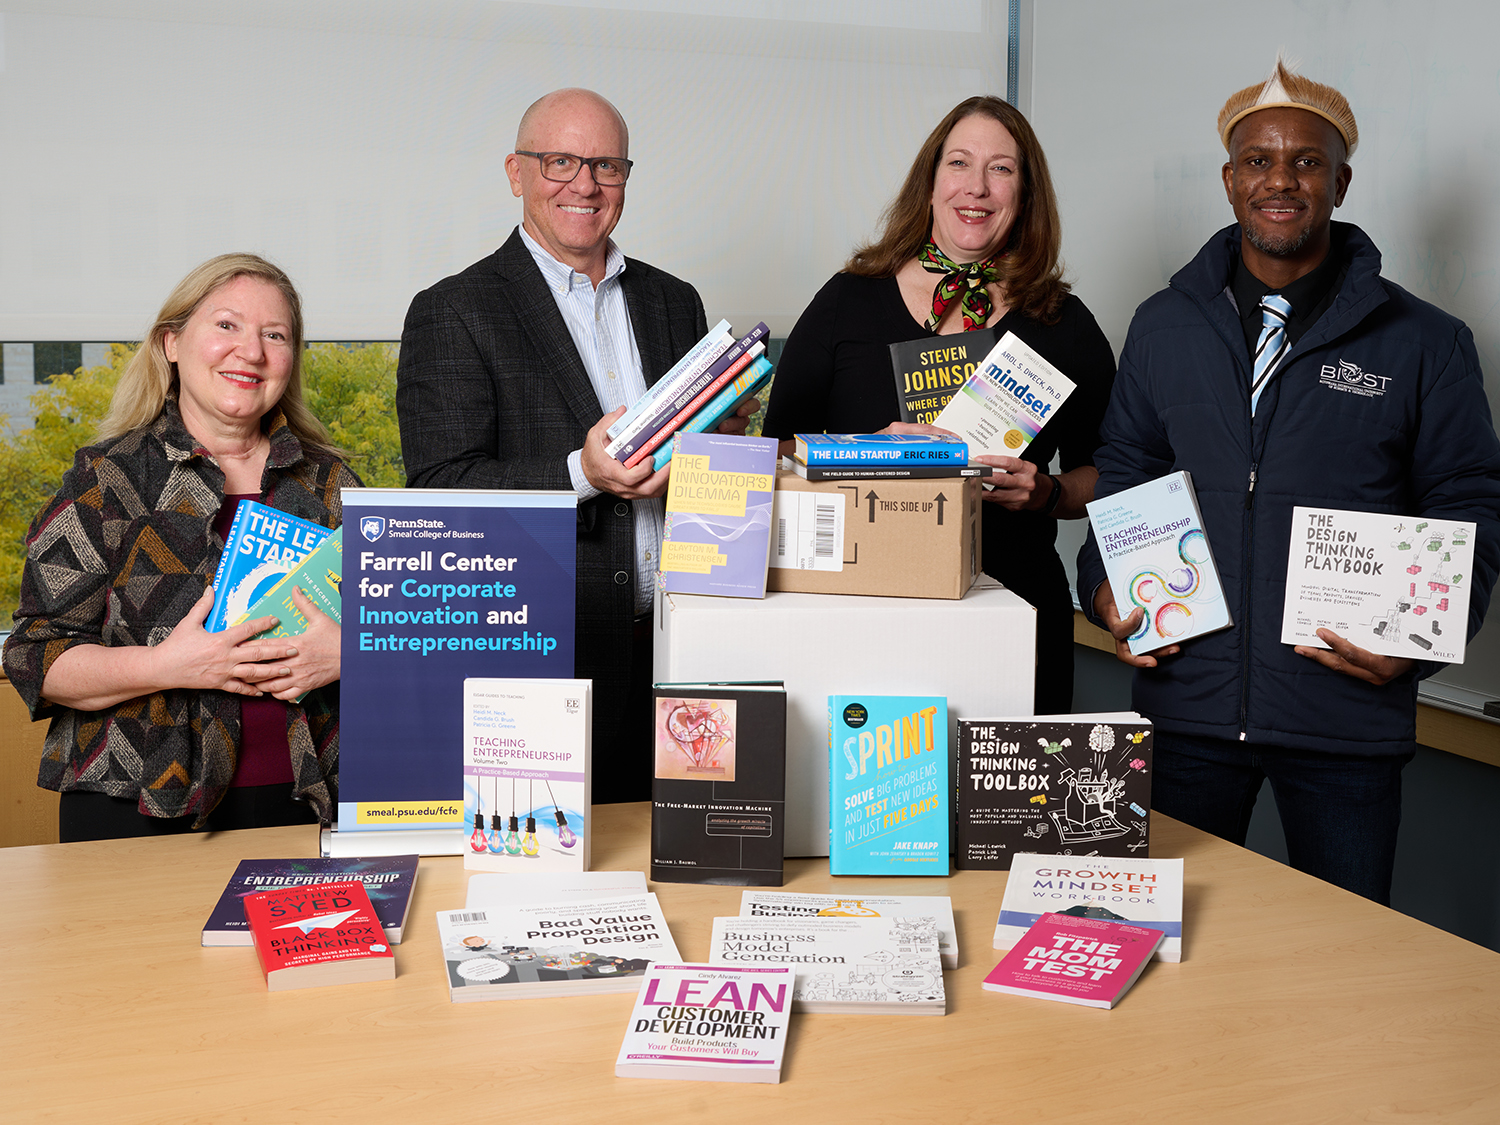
<point x="718" y="529"/>
<point x="388" y="879"/>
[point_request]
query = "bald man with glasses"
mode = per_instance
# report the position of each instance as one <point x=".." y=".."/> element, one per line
<point x="511" y="370"/>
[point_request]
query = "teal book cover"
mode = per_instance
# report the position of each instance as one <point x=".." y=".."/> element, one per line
<point x="890" y="794"/>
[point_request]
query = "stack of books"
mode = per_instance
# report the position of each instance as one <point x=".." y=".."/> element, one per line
<point x="266" y="554"/>
<point x="883" y="457"/>
<point x="716" y="376"/>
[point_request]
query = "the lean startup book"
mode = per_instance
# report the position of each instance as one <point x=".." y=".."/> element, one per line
<point x="1396" y="585"/>
<point x="1158" y="559"/>
<point x="1005" y="403"/>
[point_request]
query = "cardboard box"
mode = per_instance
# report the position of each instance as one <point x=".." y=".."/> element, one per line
<point x="979" y="651"/>
<point x="893" y="538"/>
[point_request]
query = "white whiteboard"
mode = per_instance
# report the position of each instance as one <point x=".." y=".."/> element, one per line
<point x="361" y="143"/>
<point x="1125" y="99"/>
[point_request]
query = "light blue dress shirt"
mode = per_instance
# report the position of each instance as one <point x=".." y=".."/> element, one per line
<point x="599" y="323"/>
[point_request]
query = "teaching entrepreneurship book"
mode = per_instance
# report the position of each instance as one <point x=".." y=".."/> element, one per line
<point x="1159" y="560"/>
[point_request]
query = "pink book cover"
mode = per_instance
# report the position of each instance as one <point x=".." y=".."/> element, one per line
<point x="1076" y="960"/>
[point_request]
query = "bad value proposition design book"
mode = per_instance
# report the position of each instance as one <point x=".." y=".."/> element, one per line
<point x="1158" y="558"/>
<point x="718" y="789"/>
<point x="717" y="536"/>
<point x="1142" y="892"/>
<point x="527" y="765"/>
<point x="1396" y="585"/>
<point x="553" y="948"/>
<point x="1054" y="783"/>
<point x="890" y="799"/>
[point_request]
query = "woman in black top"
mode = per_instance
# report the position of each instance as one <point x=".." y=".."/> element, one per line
<point x="971" y="241"/>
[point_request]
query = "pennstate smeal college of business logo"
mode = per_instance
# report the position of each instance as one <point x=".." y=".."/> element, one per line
<point x="372" y="527"/>
<point x="1351" y="379"/>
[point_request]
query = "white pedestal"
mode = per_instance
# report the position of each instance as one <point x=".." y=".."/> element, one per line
<point x="979" y="651"/>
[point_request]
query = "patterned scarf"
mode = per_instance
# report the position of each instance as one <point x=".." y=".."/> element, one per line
<point x="965" y="282"/>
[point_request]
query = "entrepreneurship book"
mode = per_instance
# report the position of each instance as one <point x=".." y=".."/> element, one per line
<point x="1052" y="784"/>
<point x="930" y="371"/>
<point x="1143" y="892"/>
<point x="527" y="772"/>
<point x="262" y="547"/>
<point x="890" y="797"/>
<point x="1005" y="403"/>
<point x="1158" y="558"/>
<point x="718" y="789"/>
<point x="717" y="534"/>
<point x="1075" y="960"/>
<point x="707" y="1023"/>
<point x="1395" y="585"/>
<point x="388" y="880"/>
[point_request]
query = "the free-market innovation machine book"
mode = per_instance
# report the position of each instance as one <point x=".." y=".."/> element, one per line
<point x="1396" y="585"/>
<point x="718" y="788"/>
<point x="1159" y="560"/>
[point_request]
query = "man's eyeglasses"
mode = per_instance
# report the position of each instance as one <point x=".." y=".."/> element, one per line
<point x="563" y="167"/>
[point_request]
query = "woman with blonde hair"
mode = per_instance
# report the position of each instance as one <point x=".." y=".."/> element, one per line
<point x="971" y="241"/>
<point x="158" y="726"/>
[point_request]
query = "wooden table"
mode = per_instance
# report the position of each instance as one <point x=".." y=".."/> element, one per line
<point x="1295" y="1002"/>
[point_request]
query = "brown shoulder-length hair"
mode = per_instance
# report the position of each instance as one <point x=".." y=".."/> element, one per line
<point x="1032" y="271"/>
<point x="149" y="378"/>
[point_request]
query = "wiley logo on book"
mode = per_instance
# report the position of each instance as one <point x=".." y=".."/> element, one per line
<point x="1350" y="378"/>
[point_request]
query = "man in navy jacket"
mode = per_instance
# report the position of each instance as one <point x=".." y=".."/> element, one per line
<point x="1362" y="397"/>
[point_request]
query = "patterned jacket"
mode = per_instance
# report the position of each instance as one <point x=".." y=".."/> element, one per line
<point x="117" y="557"/>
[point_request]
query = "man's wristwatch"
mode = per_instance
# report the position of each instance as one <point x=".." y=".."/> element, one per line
<point x="1055" y="499"/>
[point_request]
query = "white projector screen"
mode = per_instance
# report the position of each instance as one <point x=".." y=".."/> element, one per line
<point x="361" y="145"/>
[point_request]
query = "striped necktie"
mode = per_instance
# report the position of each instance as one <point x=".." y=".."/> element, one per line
<point x="1273" y="343"/>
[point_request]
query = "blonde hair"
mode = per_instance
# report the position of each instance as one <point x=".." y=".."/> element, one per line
<point x="1032" y="269"/>
<point x="149" y="378"/>
<point x="1285" y="90"/>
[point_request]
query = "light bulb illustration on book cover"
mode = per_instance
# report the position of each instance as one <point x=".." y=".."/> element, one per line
<point x="1166" y="593"/>
<point x="695" y="739"/>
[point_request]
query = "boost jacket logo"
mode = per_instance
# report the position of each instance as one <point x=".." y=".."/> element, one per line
<point x="1351" y="379"/>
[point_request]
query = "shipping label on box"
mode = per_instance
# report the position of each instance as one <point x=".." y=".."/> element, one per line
<point x="896" y="538"/>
